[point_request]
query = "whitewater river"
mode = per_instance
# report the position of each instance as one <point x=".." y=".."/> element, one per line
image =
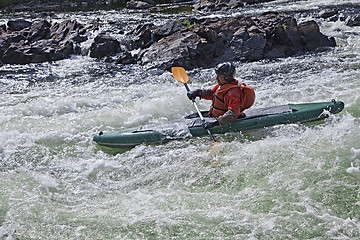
<point x="284" y="182"/>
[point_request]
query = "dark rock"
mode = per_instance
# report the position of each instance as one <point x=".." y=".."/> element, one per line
<point x="15" y="38"/>
<point x="39" y="41"/>
<point x="253" y="48"/>
<point x="190" y="43"/>
<point x="104" y="45"/>
<point x="126" y="58"/>
<point x="18" y="25"/>
<point x="221" y="5"/>
<point x="208" y="5"/>
<point x="66" y="29"/>
<point x="63" y="50"/>
<point x="49" y="5"/>
<point x="144" y="36"/>
<point x="313" y="38"/>
<point x="39" y="30"/>
<point x="14" y="55"/>
<point x="236" y="4"/>
<point x="144" y="4"/>
<point x="352" y="21"/>
<point x="211" y="41"/>
<point x="2" y="28"/>
<point x="256" y="1"/>
<point x="326" y="13"/>
<point x="177" y="49"/>
<point x="333" y="18"/>
<point x="147" y="34"/>
<point x="167" y="29"/>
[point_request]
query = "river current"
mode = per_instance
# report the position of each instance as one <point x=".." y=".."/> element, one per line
<point x="297" y="181"/>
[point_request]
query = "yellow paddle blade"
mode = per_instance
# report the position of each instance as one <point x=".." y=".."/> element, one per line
<point x="215" y="148"/>
<point x="180" y="74"/>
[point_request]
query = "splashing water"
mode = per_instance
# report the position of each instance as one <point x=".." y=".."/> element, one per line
<point x="292" y="181"/>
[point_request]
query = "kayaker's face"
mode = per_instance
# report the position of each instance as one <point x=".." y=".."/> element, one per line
<point x="220" y="79"/>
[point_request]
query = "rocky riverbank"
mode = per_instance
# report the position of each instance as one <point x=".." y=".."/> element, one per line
<point x="189" y="42"/>
<point x="209" y="41"/>
<point x="23" y="42"/>
<point x="55" y="5"/>
<point x="49" y="5"/>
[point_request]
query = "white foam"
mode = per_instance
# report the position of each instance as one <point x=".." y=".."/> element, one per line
<point x="46" y="180"/>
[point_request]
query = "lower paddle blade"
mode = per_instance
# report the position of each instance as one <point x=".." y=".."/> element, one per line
<point x="216" y="149"/>
<point x="180" y="74"/>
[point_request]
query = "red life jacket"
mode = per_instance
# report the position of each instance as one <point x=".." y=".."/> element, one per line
<point x="219" y="107"/>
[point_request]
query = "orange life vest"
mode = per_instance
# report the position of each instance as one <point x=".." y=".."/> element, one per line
<point x="219" y="107"/>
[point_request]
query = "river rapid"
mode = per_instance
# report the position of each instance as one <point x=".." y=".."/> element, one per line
<point x="285" y="182"/>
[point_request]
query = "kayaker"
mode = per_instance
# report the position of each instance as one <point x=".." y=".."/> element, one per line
<point x="229" y="98"/>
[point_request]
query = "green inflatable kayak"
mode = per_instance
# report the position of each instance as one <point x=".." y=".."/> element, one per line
<point x="192" y="125"/>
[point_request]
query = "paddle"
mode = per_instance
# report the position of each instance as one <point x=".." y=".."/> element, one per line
<point x="180" y="75"/>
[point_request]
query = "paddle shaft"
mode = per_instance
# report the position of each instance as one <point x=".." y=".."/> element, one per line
<point x="199" y="112"/>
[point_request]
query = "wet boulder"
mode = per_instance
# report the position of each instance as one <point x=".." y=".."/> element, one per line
<point x="104" y="45"/>
<point x="33" y="42"/>
<point x="167" y="29"/>
<point x="126" y="58"/>
<point x="353" y="20"/>
<point x="39" y="30"/>
<point x="143" y="36"/>
<point x="222" y="5"/>
<point x="182" y="48"/>
<point x="18" y="25"/>
<point x="143" y="4"/>
<point x="66" y="30"/>
<point x="253" y="48"/>
<point x="312" y="37"/>
<point x="285" y="37"/>
<point x="214" y="40"/>
<point x="147" y="34"/>
<point x="2" y="28"/>
<point x="14" y="55"/>
<point x="328" y="13"/>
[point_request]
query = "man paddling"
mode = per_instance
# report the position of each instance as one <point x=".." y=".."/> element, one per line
<point x="229" y="98"/>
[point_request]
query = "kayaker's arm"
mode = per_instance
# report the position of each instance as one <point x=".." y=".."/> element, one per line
<point x="201" y="93"/>
<point x="206" y="94"/>
<point x="228" y="117"/>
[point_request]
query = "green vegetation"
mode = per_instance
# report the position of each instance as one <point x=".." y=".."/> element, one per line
<point x="4" y="3"/>
<point x="187" y="24"/>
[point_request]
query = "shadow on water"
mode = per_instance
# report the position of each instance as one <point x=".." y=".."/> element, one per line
<point x="172" y="9"/>
<point x="113" y="151"/>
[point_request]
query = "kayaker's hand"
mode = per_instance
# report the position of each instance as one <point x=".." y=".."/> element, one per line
<point x="228" y="117"/>
<point x="193" y="94"/>
<point x="208" y="125"/>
